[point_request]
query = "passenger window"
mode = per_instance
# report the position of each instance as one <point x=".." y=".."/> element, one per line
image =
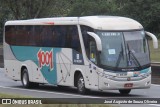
<point x="75" y="41"/>
<point x="46" y="36"/>
<point x="35" y="36"/>
<point x="61" y="36"/>
<point x="9" y="34"/>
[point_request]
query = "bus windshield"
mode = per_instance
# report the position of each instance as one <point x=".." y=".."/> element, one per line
<point x="123" y="49"/>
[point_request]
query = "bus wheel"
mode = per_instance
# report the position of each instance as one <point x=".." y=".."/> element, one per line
<point x="125" y="91"/>
<point x="25" y="79"/>
<point x="81" y="85"/>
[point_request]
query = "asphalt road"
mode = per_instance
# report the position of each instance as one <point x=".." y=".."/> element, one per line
<point x="45" y="91"/>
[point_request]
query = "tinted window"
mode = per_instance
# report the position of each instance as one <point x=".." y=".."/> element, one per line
<point x="75" y="42"/>
<point x="44" y="36"/>
<point x="17" y="35"/>
<point x="86" y="38"/>
<point x="10" y="33"/>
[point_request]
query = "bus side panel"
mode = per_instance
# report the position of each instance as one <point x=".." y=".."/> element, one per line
<point x="36" y="73"/>
<point x="43" y="59"/>
<point x="64" y="61"/>
<point x="11" y="65"/>
<point x="13" y="68"/>
<point x="91" y="72"/>
<point x="10" y="69"/>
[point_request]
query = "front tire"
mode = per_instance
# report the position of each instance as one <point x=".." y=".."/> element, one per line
<point x="125" y="91"/>
<point x="81" y="85"/>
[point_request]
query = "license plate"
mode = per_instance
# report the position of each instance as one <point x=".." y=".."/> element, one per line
<point x="128" y="85"/>
<point x="121" y="75"/>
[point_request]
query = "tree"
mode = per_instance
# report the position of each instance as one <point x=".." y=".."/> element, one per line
<point x="144" y="11"/>
<point x="27" y="9"/>
<point x="3" y="17"/>
<point x="92" y="7"/>
<point x="23" y="9"/>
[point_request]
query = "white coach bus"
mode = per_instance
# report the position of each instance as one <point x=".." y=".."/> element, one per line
<point x="90" y="53"/>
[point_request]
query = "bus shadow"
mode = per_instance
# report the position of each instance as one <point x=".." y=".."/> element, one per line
<point x="70" y="90"/>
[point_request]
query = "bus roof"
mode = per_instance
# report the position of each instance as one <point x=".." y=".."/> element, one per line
<point x="110" y="23"/>
<point x="96" y="22"/>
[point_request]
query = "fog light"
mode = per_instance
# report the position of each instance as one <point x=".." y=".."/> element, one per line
<point x="147" y="83"/>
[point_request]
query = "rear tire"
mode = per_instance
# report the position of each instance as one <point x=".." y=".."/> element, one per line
<point x="125" y="91"/>
<point x="81" y="85"/>
<point x="25" y="79"/>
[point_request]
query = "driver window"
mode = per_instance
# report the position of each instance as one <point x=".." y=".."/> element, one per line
<point x="89" y="43"/>
<point x="92" y="53"/>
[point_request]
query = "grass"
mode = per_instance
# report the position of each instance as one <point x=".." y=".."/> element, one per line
<point x="154" y="53"/>
<point x="4" y="95"/>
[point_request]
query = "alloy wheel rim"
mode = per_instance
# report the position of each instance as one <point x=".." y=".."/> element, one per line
<point x="81" y="84"/>
<point x="25" y="79"/>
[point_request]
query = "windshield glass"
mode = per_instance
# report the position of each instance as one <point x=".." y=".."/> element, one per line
<point x="137" y="48"/>
<point x="124" y="49"/>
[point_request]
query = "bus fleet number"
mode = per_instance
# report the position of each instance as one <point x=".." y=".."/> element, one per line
<point x="45" y="58"/>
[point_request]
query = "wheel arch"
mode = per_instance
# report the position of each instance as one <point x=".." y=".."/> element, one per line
<point x="22" y="68"/>
<point x="76" y="74"/>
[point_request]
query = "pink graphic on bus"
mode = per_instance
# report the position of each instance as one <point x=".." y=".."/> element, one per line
<point x="45" y="58"/>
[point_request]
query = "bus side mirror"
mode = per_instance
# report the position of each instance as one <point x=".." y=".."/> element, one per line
<point x="97" y="39"/>
<point x="154" y="38"/>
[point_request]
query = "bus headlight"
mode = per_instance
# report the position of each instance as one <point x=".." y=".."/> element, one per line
<point x="105" y="75"/>
<point x="108" y="76"/>
<point x="145" y="75"/>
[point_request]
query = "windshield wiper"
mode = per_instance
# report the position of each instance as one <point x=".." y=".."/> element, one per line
<point x="135" y="60"/>
<point x="120" y="56"/>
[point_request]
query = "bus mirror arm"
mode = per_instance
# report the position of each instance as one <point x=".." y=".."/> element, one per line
<point x="154" y="38"/>
<point x="97" y="39"/>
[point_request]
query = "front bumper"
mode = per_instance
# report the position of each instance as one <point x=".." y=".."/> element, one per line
<point x="108" y="84"/>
